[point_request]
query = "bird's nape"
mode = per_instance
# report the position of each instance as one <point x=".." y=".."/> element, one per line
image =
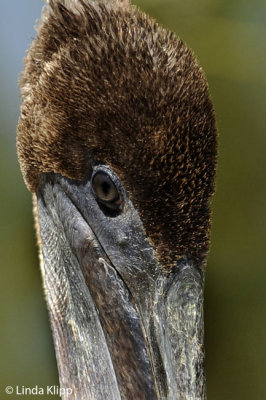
<point x="117" y="141"/>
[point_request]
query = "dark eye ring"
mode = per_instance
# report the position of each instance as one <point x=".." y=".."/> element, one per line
<point x="105" y="190"/>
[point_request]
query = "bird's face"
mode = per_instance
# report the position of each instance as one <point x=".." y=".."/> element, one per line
<point x="117" y="141"/>
<point x="107" y="265"/>
<point x="105" y="288"/>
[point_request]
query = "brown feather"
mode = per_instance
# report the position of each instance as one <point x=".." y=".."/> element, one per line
<point x="112" y="82"/>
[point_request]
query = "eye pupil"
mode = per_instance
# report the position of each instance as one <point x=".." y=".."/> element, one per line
<point x="105" y="190"/>
<point x="106" y="187"/>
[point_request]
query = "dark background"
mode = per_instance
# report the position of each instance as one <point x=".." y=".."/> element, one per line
<point x="228" y="37"/>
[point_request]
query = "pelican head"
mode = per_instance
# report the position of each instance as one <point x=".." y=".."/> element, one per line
<point x="117" y="143"/>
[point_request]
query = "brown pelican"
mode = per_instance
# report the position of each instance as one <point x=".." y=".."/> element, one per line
<point x="117" y="143"/>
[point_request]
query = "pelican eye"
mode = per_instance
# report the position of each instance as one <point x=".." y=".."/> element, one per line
<point x="105" y="190"/>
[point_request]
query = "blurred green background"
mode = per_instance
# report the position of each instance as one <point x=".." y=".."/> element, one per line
<point x="228" y="37"/>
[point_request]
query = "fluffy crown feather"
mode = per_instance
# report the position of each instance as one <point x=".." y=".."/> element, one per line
<point x="102" y="78"/>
